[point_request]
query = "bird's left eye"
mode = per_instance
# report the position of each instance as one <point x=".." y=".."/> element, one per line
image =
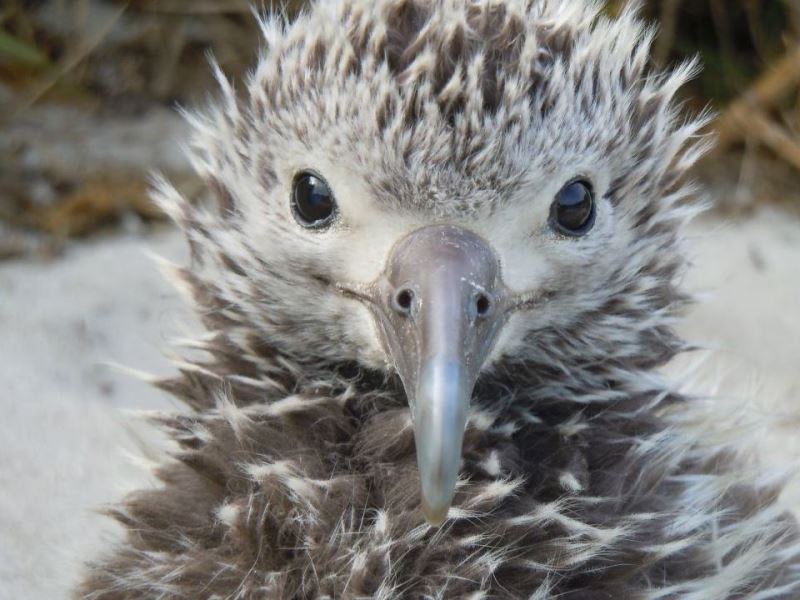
<point x="573" y="210"/>
<point x="312" y="201"/>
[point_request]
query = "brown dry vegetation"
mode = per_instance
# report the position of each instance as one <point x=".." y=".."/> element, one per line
<point x="109" y="64"/>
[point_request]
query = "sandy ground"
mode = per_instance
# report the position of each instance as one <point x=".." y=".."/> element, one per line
<point x="64" y="437"/>
<point x="747" y="282"/>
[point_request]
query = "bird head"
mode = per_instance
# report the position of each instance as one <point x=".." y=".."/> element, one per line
<point x="442" y="189"/>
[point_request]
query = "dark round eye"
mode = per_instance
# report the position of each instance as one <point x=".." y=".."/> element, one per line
<point x="312" y="201"/>
<point x="573" y="211"/>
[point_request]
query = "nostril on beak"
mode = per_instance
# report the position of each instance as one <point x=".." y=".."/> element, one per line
<point x="483" y="304"/>
<point x="403" y="301"/>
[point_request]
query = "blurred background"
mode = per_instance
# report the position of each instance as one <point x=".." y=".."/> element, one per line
<point x="88" y="91"/>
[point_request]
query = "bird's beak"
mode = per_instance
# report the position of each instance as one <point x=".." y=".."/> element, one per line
<point x="439" y="307"/>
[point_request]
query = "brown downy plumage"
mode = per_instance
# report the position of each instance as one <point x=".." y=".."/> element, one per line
<point x="297" y="473"/>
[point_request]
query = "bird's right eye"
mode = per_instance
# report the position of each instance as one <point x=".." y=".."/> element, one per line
<point x="573" y="211"/>
<point x="312" y="201"/>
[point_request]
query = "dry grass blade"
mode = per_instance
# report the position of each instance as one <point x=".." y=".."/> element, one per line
<point x="71" y="62"/>
<point x="218" y="7"/>
<point x="180" y="7"/>
<point x="758" y="126"/>
<point x="767" y="90"/>
<point x="669" y="24"/>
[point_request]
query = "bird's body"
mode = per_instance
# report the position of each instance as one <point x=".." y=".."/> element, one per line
<point x="444" y="129"/>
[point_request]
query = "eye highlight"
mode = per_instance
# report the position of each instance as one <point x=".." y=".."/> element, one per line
<point x="573" y="210"/>
<point x="312" y="201"/>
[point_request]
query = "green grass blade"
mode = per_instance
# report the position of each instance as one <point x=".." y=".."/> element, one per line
<point x="16" y="51"/>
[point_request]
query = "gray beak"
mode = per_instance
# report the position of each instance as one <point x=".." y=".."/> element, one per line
<point x="440" y="306"/>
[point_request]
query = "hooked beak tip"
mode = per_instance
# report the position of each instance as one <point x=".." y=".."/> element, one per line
<point x="440" y="417"/>
<point x="435" y="515"/>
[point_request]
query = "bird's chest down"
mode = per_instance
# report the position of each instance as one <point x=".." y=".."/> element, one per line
<point x="312" y="498"/>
